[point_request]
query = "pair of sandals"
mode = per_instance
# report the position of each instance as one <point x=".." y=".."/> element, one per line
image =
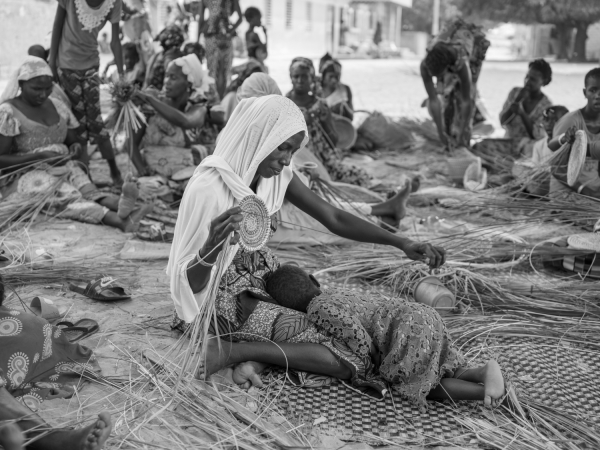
<point x="75" y="332"/>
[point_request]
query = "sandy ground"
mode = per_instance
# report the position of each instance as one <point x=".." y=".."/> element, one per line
<point x="130" y="326"/>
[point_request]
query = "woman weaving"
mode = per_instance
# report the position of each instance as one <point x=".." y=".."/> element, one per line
<point x="254" y="157"/>
<point x="35" y="127"/>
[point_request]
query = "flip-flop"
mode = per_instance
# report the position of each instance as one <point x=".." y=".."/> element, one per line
<point x="104" y="289"/>
<point x="44" y="308"/>
<point x="78" y="330"/>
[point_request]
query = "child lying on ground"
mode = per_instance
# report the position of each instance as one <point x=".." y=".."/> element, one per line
<point x="408" y="342"/>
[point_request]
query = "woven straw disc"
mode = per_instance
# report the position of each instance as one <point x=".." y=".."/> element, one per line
<point x="586" y="241"/>
<point x="255" y="228"/>
<point x="577" y="157"/>
<point x="35" y="182"/>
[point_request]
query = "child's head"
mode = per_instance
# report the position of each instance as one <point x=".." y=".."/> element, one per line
<point x="194" y="48"/>
<point x="292" y="287"/>
<point x="130" y="56"/>
<point x="538" y="75"/>
<point x="253" y="16"/>
<point x="39" y="51"/>
<point x="551" y="116"/>
<point x="591" y="90"/>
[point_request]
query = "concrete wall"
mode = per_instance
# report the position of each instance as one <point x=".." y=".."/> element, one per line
<point x="593" y="42"/>
<point x="23" y="24"/>
<point x="313" y="30"/>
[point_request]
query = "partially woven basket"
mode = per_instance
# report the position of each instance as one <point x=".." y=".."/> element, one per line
<point x="577" y="157"/>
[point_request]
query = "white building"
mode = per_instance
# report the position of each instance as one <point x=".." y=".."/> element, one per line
<point x="299" y="27"/>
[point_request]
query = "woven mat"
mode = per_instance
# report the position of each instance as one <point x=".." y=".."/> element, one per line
<point x="560" y="376"/>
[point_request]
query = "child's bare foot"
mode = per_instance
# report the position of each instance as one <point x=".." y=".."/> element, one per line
<point x="247" y="374"/>
<point x="132" y="223"/>
<point x="397" y="208"/>
<point x="94" y="436"/>
<point x="214" y="359"/>
<point x="129" y="194"/>
<point x="493" y="383"/>
<point x="11" y="437"/>
<point x="415" y="184"/>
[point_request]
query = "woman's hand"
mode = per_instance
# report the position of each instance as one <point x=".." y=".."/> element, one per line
<point x="221" y="228"/>
<point x="421" y="251"/>
<point x="47" y="155"/>
<point x="569" y="135"/>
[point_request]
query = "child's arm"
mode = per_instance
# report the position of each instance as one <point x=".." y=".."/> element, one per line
<point x="115" y="46"/>
<point x="337" y="321"/>
<point x="57" y="29"/>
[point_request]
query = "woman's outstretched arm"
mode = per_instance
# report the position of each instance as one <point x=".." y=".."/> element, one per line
<point x="351" y="227"/>
<point x="194" y="118"/>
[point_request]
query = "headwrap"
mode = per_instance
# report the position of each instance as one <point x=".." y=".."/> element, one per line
<point x="32" y="67"/>
<point x="256" y="128"/>
<point x="171" y="36"/>
<point x="332" y="65"/>
<point x="196" y="75"/>
<point x="304" y="63"/>
<point x="258" y="85"/>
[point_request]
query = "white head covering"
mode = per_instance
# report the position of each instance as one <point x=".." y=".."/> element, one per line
<point x="258" y="85"/>
<point x="32" y="67"/>
<point x="256" y="128"/>
<point x="192" y="68"/>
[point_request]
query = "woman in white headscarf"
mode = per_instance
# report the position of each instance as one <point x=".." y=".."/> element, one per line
<point x="254" y="156"/>
<point x="181" y="114"/>
<point x="36" y="127"/>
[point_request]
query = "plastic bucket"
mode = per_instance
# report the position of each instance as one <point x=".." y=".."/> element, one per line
<point x="458" y="164"/>
<point x="346" y="132"/>
<point x="430" y="291"/>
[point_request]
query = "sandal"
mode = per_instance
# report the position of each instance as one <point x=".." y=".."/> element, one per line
<point x="104" y="289"/>
<point x="79" y="330"/>
<point x="44" y="308"/>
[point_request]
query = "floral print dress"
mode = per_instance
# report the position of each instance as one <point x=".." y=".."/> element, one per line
<point x="414" y="345"/>
<point x="36" y="358"/>
<point x="266" y="321"/>
<point x="331" y="157"/>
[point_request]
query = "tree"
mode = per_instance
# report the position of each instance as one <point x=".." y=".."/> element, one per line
<point x="565" y="15"/>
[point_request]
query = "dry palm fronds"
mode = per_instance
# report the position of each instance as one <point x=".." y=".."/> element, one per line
<point x="125" y="115"/>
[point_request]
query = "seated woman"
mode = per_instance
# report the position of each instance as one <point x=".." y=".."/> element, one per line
<point x="36" y="127"/>
<point x="454" y="57"/>
<point x="338" y="96"/>
<point x="323" y="136"/>
<point x="588" y="120"/>
<point x="37" y="363"/>
<point x="180" y="122"/>
<point x="253" y="157"/>
<point x="170" y="38"/>
<point x="231" y="99"/>
<point x="523" y="110"/>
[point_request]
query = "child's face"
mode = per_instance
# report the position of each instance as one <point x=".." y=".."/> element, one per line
<point x="331" y="80"/>
<point x="534" y="80"/>
<point x="261" y="54"/>
<point x="130" y="61"/>
<point x="592" y="93"/>
<point x="256" y="21"/>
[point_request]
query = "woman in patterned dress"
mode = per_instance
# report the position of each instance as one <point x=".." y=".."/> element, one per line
<point x="37" y="361"/>
<point x="323" y="136"/>
<point x="218" y="33"/>
<point x="253" y="157"/>
<point x="454" y="57"/>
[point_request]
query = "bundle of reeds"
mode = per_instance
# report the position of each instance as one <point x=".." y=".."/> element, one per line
<point x="125" y="116"/>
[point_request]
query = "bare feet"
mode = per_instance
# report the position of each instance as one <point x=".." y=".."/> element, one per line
<point x="214" y="359"/>
<point x="132" y="223"/>
<point x="129" y="194"/>
<point x="11" y="437"/>
<point x="493" y="383"/>
<point x="396" y="208"/>
<point x="95" y="436"/>
<point x="247" y="374"/>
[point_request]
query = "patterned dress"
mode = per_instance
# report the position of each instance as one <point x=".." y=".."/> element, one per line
<point x="267" y="321"/>
<point x="515" y="128"/>
<point x="219" y="46"/>
<point x="331" y="157"/>
<point x="36" y="358"/>
<point x="415" y="347"/>
<point x="471" y="45"/>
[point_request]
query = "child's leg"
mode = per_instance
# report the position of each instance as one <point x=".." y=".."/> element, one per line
<point x="466" y="385"/>
<point x="95" y="124"/>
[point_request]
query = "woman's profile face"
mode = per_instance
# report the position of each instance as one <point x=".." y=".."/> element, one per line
<point x="176" y="82"/>
<point x="281" y="157"/>
<point x="301" y="79"/>
<point x="37" y="90"/>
